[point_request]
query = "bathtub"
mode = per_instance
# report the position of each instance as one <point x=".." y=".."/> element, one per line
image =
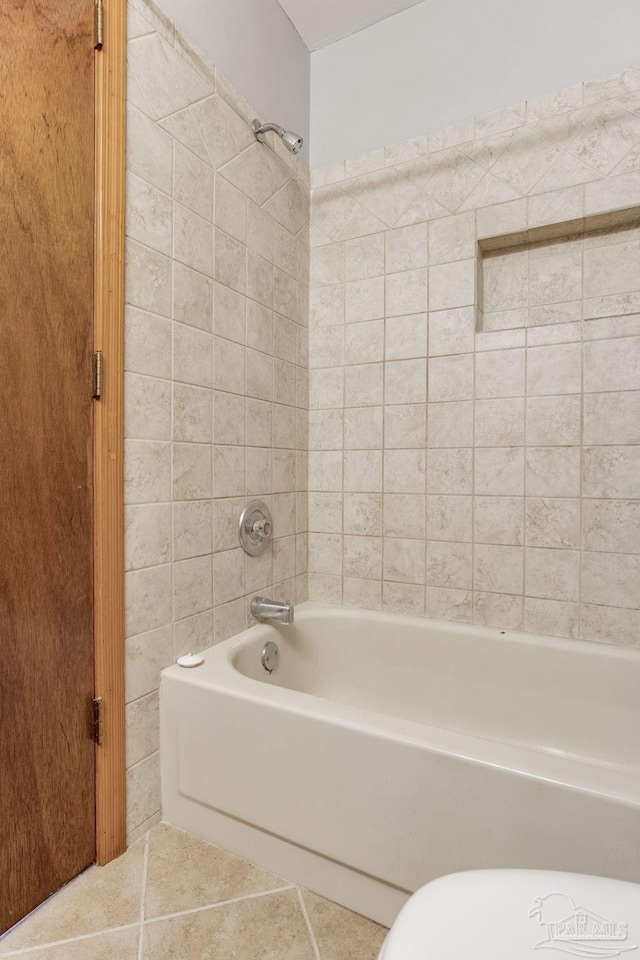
<point x="385" y="751"/>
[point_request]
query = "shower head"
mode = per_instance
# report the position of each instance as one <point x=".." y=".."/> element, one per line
<point x="292" y="141"/>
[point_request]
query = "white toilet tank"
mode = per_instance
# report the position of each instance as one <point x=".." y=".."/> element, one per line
<point x="517" y="915"/>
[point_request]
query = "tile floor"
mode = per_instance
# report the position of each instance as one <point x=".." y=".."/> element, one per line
<point x="174" y="897"/>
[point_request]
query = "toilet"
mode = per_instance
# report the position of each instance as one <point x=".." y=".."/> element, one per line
<point x="517" y="915"/>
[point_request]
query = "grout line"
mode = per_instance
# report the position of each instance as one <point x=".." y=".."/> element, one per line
<point x="190" y="103"/>
<point x="171" y="465"/>
<point x="143" y="892"/>
<point x="474" y="447"/>
<point x="168" y="257"/>
<point x="215" y="906"/>
<point x="383" y="413"/>
<point x="526" y="498"/>
<point x="25" y="951"/>
<point x="343" y="411"/>
<point x="427" y="345"/>
<point x="312" y="936"/>
<point x="525" y="391"/>
<point x="581" y="497"/>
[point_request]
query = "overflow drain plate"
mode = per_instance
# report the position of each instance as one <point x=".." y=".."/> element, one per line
<point x="270" y="656"/>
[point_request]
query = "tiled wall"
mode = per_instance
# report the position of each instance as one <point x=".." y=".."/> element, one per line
<point x="217" y="377"/>
<point x="488" y="472"/>
<point x="469" y="466"/>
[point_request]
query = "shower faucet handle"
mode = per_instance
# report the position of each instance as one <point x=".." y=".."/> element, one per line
<point x="261" y="528"/>
<point x="255" y="528"/>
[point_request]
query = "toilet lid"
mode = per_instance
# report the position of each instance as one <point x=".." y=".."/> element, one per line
<point x="518" y="915"/>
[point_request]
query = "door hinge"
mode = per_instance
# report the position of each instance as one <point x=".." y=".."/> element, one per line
<point x="96" y="368"/>
<point x="97" y="724"/>
<point x="99" y="24"/>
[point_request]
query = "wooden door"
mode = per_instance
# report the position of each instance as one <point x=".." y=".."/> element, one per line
<point x="47" y="759"/>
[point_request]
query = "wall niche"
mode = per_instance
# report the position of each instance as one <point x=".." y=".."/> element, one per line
<point x="579" y="270"/>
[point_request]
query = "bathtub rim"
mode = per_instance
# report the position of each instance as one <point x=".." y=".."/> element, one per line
<point x="219" y="673"/>
<point x="520" y="637"/>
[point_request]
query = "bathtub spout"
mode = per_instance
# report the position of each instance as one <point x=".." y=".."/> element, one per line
<point x="263" y="609"/>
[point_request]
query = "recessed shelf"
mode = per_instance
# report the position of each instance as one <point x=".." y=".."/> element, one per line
<point x="561" y="272"/>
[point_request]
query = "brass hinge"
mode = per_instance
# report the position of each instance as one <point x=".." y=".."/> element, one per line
<point x="96" y="369"/>
<point x="99" y="24"/>
<point x="97" y="720"/>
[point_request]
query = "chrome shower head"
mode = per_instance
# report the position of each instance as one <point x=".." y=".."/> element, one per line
<point x="292" y="141"/>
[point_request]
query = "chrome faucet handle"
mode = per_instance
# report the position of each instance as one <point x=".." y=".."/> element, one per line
<point x="255" y="528"/>
<point x="261" y="528"/>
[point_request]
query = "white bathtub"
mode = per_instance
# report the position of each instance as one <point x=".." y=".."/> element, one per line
<point x="385" y="751"/>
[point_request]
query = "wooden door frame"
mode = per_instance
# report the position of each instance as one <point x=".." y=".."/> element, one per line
<point x="109" y="643"/>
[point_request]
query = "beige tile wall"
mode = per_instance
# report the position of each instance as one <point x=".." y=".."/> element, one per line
<point x="217" y="375"/>
<point x="491" y="474"/>
<point x="487" y="475"/>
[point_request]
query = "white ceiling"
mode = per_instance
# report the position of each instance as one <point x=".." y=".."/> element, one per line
<point x="320" y="22"/>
